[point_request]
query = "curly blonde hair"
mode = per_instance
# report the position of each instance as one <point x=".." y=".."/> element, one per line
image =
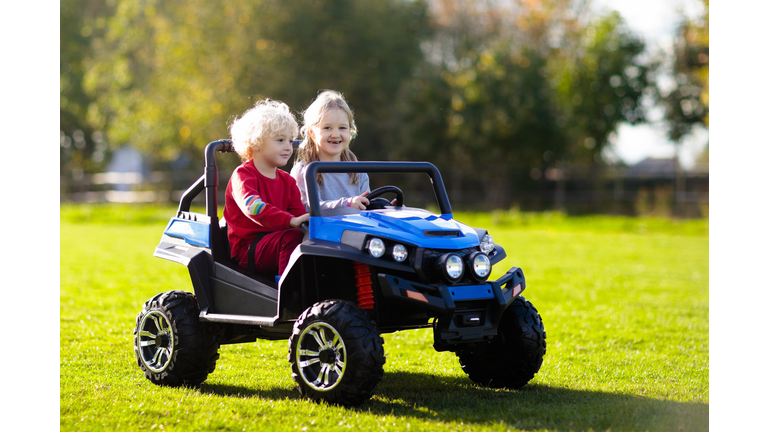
<point x="309" y="151"/>
<point x="267" y="118"/>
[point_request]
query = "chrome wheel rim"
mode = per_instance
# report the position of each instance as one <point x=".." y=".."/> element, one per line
<point x="156" y="341"/>
<point x="321" y="356"/>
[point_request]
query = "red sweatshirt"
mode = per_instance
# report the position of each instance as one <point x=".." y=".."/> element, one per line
<point x="255" y="204"/>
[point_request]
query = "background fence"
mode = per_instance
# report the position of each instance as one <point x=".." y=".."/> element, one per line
<point x="654" y="187"/>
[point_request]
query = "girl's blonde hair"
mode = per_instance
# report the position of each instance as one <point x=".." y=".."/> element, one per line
<point x="309" y="152"/>
<point x="267" y="118"/>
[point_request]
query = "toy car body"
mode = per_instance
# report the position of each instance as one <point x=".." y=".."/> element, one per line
<point x="357" y="274"/>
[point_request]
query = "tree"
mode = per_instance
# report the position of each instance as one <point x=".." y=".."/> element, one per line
<point x="599" y="83"/>
<point x="531" y="86"/>
<point x="171" y="76"/>
<point x="687" y="103"/>
<point x="83" y="146"/>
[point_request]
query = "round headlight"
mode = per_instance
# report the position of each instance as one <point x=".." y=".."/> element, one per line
<point x="481" y="265"/>
<point x="451" y="266"/>
<point x="486" y="244"/>
<point x="376" y="247"/>
<point x="399" y="253"/>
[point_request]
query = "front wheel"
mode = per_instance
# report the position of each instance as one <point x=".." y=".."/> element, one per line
<point x="171" y="345"/>
<point x="336" y="353"/>
<point x="513" y="357"/>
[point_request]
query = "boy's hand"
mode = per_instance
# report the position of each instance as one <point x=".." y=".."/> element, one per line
<point x="359" y="202"/>
<point x="297" y="221"/>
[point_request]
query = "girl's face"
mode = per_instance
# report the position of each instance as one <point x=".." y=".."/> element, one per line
<point x="331" y="134"/>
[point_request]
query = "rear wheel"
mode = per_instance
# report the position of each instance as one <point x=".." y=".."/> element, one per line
<point x="515" y="355"/>
<point x="336" y="353"/>
<point x="171" y="345"/>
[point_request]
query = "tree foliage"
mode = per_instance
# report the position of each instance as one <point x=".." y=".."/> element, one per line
<point x="687" y="104"/>
<point x="530" y="86"/>
<point x="476" y="87"/>
<point x="83" y="146"/>
<point x="172" y="75"/>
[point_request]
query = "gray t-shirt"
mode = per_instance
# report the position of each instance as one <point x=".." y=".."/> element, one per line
<point x="334" y="192"/>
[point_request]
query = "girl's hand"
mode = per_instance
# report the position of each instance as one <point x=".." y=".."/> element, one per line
<point x="297" y="221"/>
<point x="359" y="202"/>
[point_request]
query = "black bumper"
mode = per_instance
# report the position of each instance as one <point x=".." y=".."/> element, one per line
<point x="465" y="313"/>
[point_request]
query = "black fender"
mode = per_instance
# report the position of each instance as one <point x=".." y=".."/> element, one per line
<point x="198" y="262"/>
<point x="302" y="283"/>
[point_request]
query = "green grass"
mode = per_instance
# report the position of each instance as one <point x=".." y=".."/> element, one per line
<point x="624" y="302"/>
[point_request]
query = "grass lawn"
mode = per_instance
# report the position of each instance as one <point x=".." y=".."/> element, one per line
<point x="625" y="303"/>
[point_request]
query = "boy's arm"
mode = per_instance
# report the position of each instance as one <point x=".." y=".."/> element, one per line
<point x="248" y="198"/>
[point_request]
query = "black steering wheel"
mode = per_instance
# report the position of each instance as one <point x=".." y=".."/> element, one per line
<point x="379" y="203"/>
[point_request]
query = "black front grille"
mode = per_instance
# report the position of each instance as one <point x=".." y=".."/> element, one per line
<point x="429" y="259"/>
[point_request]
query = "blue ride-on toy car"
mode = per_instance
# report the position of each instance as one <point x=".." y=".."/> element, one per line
<point x="356" y="275"/>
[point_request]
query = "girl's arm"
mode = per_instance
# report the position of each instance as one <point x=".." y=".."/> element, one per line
<point x="363" y="183"/>
<point x="297" y="172"/>
<point x="295" y="205"/>
<point x="358" y="201"/>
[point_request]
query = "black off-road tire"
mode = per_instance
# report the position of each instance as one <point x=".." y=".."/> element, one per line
<point x="513" y="357"/>
<point x="172" y="346"/>
<point x="336" y="353"/>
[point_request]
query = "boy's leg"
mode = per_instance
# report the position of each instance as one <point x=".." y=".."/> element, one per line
<point x="273" y="252"/>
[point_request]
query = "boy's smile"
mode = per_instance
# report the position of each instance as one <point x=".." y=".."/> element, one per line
<point x="331" y="135"/>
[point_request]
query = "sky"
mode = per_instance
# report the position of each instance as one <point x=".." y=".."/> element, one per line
<point x="655" y="21"/>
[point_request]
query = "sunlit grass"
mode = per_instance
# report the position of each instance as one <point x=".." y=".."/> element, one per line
<point x="625" y="310"/>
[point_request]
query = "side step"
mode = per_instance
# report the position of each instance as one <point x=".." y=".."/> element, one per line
<point x="238" y="319"/>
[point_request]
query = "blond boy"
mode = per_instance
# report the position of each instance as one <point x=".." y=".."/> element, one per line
<point x="263" y="205"/>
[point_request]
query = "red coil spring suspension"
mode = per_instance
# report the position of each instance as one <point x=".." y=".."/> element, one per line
<point x="364" y="291"/>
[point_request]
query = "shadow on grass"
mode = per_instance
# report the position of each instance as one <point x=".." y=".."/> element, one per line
<point x="408" y="395"/>
<point x="276" y="393"/>
<point x="454" y="399"/>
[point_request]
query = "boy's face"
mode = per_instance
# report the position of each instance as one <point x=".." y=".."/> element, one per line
<point x="331" y="135"/>
<point x="276" y="150"/>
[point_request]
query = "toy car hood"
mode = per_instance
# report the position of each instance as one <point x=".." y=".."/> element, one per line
<point x="408" y="225"/>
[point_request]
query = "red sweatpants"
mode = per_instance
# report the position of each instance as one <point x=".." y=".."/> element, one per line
<point x="274" y="250"/>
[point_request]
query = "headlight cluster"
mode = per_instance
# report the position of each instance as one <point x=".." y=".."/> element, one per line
<point x="486" y="244"/>
<point x="451" y="266"/>
<point x="377" y="249"/>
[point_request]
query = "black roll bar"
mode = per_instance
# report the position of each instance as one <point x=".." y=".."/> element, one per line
<point x="375" y="167"/>
<point x="209" y="180"/>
